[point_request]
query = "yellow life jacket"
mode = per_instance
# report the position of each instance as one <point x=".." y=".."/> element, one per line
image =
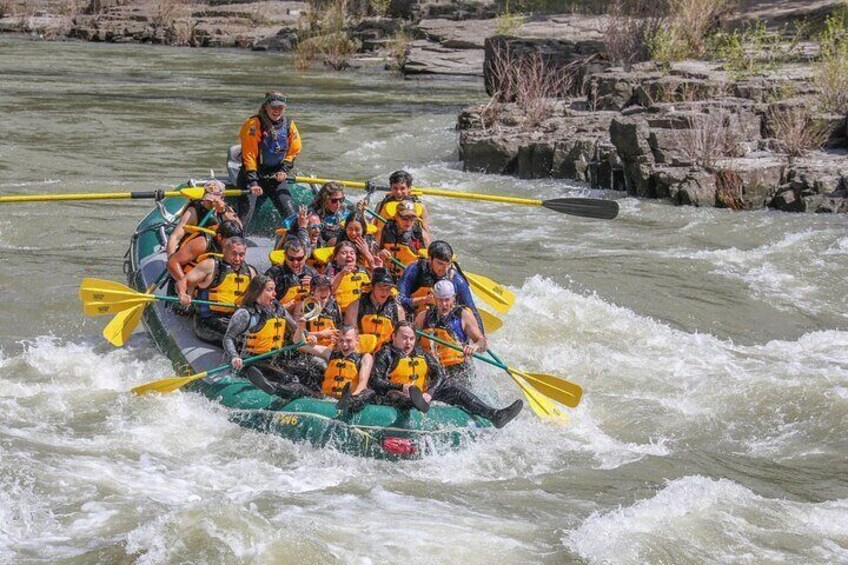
<point x="411" y="371"/>
<point x="340" y="370"/>
<point x="319" y="324"/>
<point x="421" y="292"/>
<point x="447" y="356"/>
<point x="402" y="253"/>
<point x="270" y="336"/>
<point x="228" y="286"/>
<point x="295" y="293"/>
<point x="351" y="288"/>
<point x="379" y="326"/>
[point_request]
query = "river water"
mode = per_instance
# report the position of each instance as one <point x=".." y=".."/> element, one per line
<point x="712" y="347"/>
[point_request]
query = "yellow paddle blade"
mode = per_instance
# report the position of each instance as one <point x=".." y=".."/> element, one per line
<point x="323" y="254"/>
<point x="105" y="285"/>
<point x="119" y="329"/>
<point x="112" y="307"/>
<point x="277" y="256"/>
<point x="558" y="389"/>
<point x="106" y="295"/>
<point x="371" y="229"/>
<point x="190" y="228"/>
<point x="491" y="323"/>
<point x="495" y="295"/>
<point x="168" y="385"/>
<point x="542" y="406"/>
<point x="367" y="343"/>
<point x="193" y="193"/>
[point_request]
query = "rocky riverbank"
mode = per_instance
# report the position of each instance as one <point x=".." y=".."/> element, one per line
<point x="691" y="134"/>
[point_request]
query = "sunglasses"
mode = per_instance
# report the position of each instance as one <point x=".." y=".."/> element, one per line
<point x="297" y="259"/>
<point x="315" y="226"/>
<point x="337" y="200"/>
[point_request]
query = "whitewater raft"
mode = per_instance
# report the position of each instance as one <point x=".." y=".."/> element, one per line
<point x="376" y="431"/>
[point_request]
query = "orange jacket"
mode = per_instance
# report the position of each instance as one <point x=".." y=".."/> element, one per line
<point x="251" y="136"/>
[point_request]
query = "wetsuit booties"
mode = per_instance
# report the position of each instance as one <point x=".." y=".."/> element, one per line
<point x="505" y="415"/>
<point x="417" y="399"/>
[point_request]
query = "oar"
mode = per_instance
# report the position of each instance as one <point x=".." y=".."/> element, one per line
<point x="192" y="193"/>
<point x="585" y="207"/>
<point x="174" y="383"/>
<point x="102" y="297"/>
<point x="555" y="388"/>
<point x="121" y="327"/>
<point x="543" y="406"/>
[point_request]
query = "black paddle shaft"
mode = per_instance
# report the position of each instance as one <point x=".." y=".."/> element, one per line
<point x="586" y="207"/>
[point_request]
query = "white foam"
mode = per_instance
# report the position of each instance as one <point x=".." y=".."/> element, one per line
<point x="698" y="519"/>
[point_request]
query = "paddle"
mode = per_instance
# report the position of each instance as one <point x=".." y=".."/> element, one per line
<point x="174" y="383"/>
<point x="121" y="327"/>
<point x="585" y="207"/>
<point x="543" y="406"/>
<point x="192" y="193"/>
<point x="102" y="297"/>
<point x="555" y="388"/>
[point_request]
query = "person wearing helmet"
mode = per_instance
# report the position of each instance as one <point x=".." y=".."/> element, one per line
<point x="270" y="143"/>
<point x="415" y="288"/>
<point x="454" y="324"/>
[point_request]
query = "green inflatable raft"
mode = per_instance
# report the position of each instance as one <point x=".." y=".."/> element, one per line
<point x="377" y="431"/>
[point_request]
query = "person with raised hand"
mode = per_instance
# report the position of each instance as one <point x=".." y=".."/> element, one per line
<point x="270" y="143"/>
<point x="325" y="325"/>
<point x="347" y="276"/>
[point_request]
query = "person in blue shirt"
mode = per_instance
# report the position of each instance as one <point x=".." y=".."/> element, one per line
<point x="415" y="288"/>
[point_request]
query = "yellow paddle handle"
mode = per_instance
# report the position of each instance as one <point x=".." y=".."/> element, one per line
<point x="191" y="228"/>
<point x="100" y="196"/>
<point x="434" y="192"/>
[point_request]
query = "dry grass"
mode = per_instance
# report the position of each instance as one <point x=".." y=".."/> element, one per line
<point x="708" y="141"/>
<point x="684" y="33"/>
<point x="729" y="189"/>
<point x="628" y="29"/>
<point x="529" y="81"/>
<point x="796" y="130"/>
<point x="399" y="47"/>
<point x="324" y="37"/>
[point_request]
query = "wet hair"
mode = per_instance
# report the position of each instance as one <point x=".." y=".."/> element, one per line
<point x="235" y="240"/>
<point x="344" y="328"/>
<point x="403" y="324"/>
<point x="254" y="289"/>
<point x="401" y="176"/>
<point x="320" y="200"/>
<point x="230" y="228"/>
<point x="293" y="244"/>
<point x="440" y="250"/>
